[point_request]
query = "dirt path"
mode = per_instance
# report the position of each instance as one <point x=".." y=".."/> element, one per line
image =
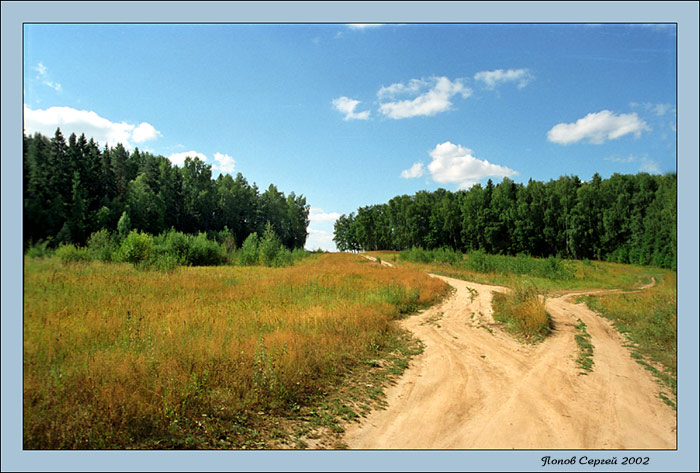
<point x="476" y="387"/>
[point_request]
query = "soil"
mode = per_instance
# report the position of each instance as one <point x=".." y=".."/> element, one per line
<point x="476" y="387"/>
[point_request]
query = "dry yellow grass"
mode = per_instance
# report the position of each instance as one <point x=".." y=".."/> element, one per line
<point x="523" y="311"/>
<point x="115" y="357"/>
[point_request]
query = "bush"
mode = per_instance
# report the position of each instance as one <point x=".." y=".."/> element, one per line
<point x="284" y="258"/>
<point x="39" y="249"/>
<point x="72" y="254"/>
<point x="270" y="247"/>
<point x="204" y="252"/>
<point x="101" y="246"/>
<point x="136" y="248"/>
<point x="248" y="254"/>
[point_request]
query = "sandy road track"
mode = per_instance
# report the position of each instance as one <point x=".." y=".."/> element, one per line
<point x="476" y="387"/>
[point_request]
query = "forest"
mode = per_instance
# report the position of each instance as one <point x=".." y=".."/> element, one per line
<point x="73" y="189"/>
<point x="623" y="219"/>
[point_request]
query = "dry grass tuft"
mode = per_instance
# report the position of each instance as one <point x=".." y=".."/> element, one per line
<point x="523" y="312"/>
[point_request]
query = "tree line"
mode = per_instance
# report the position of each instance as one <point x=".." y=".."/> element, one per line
<point x="625" y="219"/>
<point x="73" y="189"/>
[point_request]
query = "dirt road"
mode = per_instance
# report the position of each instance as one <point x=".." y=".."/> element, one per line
<point x="475" y="387"/>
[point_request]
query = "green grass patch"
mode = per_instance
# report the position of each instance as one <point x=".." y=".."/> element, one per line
<point x="583" y="340"/>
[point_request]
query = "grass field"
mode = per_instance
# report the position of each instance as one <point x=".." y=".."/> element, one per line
<point x="207" y="357"/>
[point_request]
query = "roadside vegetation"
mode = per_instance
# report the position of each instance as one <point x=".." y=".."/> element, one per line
<point x="648" y="320"/>
<point x="209" y="357"/>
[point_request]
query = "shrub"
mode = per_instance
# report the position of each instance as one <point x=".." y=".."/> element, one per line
<point x="270" y="246"/>
<point x="174" y="244"/>
<point x="101" y="246"/>
<point x="70" y="253"/>
<point x="204" y="252"/>
<point x="39" y="249"/>
<point x="136" y="248"/>
<point x="284" y="258"/>
<point x="248" y="254"/>
<point x="124" y="225"/>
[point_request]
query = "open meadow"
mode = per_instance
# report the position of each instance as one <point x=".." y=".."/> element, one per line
<point x="205" y="357"/>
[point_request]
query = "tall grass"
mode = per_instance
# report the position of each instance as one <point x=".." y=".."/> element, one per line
<point x="195" y="358"/>
<point x="522" y="310"/>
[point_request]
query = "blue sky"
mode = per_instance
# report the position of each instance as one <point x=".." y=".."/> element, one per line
<point x="352" y="115"/>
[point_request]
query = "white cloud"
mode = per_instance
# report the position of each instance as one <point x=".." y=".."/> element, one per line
<point x="596" y="128"/>
<point x="224" y="163"/>
<point x="417" y="170"/>
<point x="646" y="164"/>
<point x="660" y="109"/>
<point x="433" y="101"/>
<point x="320" y="239"/>
<point x="44" y="77"/>
<point x="494" y="78"/>
<point x="347" y="106"/>
<point x="413" y="87"/>
<point x="617" y="159"/>
<point x="70" y="120"/>
<point x="454" y="164"/>
<point x="318" y="215"/>
<point x="145" y="132"/>
<point x="178" y="159"/>
<point x="650" y="166"/>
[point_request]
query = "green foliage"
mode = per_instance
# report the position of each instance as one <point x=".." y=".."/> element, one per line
<point x="204" y="252"/>
<point x="248" y="255"/>
<point x="136" y="248"/>
<point x="70" y="253"/>
<point x="39" y="249"/>
<point x="625" y="219"/>
<point x="583" y="340"/>
<point x="73" y="189"/>
<point x="270" y="247"/>
<point x="101" y="246"/>
<point x="175" y="244"/>
<point x="124" y="225"/>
